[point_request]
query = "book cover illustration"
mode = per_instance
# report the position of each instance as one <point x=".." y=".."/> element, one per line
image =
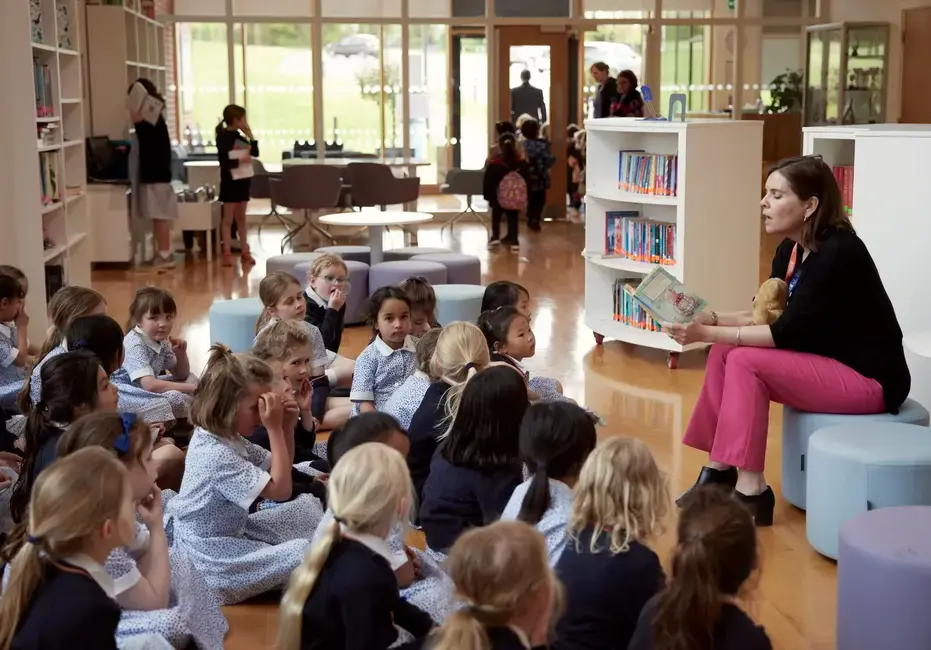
<point x="667" y="299"/>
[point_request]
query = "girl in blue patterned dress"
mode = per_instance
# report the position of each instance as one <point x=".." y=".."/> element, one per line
<point x="391" y="357"/>
<point x="283" y="298"/>
<point x="555" y="440"/>
<point x="14" y="342"/>
<point x="241" y="551"/>
<point x="154" y="360"/>
<point x="160" y="592"/>
<point x="405" y="401"/>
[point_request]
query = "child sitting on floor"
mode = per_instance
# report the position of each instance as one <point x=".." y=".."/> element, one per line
<point x="506" y="294"/>
<point x="423" y="304"/>
<point x="14" y="340"/>
<point x="406" y="400"/>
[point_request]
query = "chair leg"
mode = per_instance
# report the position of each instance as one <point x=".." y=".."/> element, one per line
<point x="293" y="232"/>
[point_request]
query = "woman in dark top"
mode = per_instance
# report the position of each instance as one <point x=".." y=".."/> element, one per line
<point x="235" y="149"/>
<point x="607" y="90"/>
<point x="477" y="466"/>
<point x="153" y="196"/>
<point x="715" y="555"/>
<point x="628" y="102"/>
<point x="838" y="345"/>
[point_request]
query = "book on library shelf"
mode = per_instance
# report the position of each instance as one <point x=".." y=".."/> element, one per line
<point x="843" y="174"/>
<point x="640" y="240"/>
<point x="150" y="108"/>
<point x="42" y="80"/>
<point x="640" y="172"/>
<point x="658" y="298"/>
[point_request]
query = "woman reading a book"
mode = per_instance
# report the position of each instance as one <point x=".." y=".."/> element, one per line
<point x="837" y="347"/>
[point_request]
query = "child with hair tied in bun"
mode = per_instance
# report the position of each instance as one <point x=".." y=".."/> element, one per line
<point x="507" y="590"/>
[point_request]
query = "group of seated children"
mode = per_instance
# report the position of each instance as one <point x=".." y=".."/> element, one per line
<point x="504" y="475"/>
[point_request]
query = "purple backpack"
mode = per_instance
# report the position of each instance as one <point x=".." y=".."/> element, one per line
<point x="512" y="192"/>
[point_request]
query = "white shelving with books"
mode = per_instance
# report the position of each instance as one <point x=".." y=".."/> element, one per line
<point x="684" y="195"/>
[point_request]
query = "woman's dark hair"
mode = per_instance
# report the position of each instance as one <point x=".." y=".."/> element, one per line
<point x="502" y="294"/>
<point x="149" y="88"/>
<point x="530" y="129"/>
<point x="507" y="145"/>
<point x="13" y="272"/>
<point x="482" y="435"/>
<point x="366" y="427"/>
<point x="571" y="130"/>
<point x="377" y="299"/>
<point x="150" y="300"/>
<point x="714" y="556"/>
<point x="495" y="324"/>
<point x="99" y="334"/>
<point x="11" y="288"/>
<point x="230" y="114"/>
<point x="810" y="176"/>
<point x="555" y="440"/>
<point x="601" y="66"/>
<point x="631" y="78"/>
<point x="504" y="127"/>
<point x="69" y="381"/>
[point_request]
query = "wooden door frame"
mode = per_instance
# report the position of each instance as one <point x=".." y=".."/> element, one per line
<point x="556" y="104"/>
<point x="907" y="85"/>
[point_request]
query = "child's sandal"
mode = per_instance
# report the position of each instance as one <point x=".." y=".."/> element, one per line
<point x="246" y="256"/>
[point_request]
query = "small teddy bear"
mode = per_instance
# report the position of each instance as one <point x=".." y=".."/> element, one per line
<point x="770" y="301"/>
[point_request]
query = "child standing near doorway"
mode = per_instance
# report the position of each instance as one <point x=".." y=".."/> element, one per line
<point x="503" y="190"/>
<point x="235" y="147"/>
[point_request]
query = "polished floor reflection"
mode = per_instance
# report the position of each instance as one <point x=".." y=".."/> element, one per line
<point x="630" y="387"/>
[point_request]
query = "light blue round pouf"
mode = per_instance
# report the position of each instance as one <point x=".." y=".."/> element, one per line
<point x="798" y="427"/>
<point x="458" y="302"/>
<point x="232" y="322"/>
<point x="398" y="254"/>
<point x="864" y="466"/>
<point x="287" y="262"/>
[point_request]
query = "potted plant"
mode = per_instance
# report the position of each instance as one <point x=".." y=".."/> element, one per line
<point x="786" y="92"/>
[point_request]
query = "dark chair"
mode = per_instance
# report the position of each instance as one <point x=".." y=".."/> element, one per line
<point x="307" y="188"/>
<point x="373" y="184"/>
<point x="260" y="188"/>
<point x="468" y="183"/>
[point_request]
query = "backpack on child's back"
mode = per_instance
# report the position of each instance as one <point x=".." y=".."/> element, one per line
<point x="512" y="191"/>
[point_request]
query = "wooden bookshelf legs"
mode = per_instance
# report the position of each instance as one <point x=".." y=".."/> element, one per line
<point x="673" y="360"/>
<point x="599" y="338"/>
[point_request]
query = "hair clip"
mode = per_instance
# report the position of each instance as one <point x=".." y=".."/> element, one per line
<point x="35" y="541"/>
<point x="339" y="520"/>
<point x="80" y="344"/>
<point x="121" y="444"/>
<point x="469" y="366"/>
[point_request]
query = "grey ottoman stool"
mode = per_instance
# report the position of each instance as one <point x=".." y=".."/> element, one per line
<point x="460" y="269"/>
<point x="381" y="275"/>
<point x="357" y="293"/>
<point x="458" y="302"/>
<point x="884" y="580"/>
<point x="287" y="263"/>
<point x="396" y="254"/>
<point x="232" y="322"/>
<point x="355" y="253"/>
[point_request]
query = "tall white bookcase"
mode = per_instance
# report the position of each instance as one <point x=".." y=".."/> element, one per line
<point x="43" y="88"/>
<point x="716" y="212"/>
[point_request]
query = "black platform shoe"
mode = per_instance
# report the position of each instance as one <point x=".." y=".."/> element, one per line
<point x="726" y="478"/>
<point x="760" y="506"/>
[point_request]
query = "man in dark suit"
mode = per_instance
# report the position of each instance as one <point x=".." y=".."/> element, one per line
<point x="527" y="99"/>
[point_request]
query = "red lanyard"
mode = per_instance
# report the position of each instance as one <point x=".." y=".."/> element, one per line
<point x="793" y="260"/>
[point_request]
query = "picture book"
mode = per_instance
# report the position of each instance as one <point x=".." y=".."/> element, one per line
<point x="666" y="299"/>
<point x="149" y="107"/>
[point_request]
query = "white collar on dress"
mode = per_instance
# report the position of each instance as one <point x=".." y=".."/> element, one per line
<point x="386" y="350"/>
<point x="6" y="329"/>
<point x="95" y="570"/>
<point x="377" y="545"/>
<point x="153" y="345"/>
<point x="313" y="295"/>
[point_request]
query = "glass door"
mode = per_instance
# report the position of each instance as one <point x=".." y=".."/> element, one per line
<point x="469" y="115"/>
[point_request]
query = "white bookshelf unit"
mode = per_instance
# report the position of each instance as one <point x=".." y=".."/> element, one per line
<point x="715" y="210"/>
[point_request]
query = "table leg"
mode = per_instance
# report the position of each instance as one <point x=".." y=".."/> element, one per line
<point x="375" y="243"/>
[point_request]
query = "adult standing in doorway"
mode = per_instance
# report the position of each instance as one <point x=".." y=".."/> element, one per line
<point x="607" y="89"/>
<point x="528" y="99"/>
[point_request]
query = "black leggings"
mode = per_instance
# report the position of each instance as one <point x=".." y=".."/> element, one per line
<point x="536" y="199"/>
<point x="511" y="215"/>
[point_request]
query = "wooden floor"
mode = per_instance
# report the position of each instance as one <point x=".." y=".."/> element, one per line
<point x="631" y="388"/>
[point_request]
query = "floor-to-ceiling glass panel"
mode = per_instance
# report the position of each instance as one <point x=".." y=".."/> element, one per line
<point x="772" y="77"/>
<point x="683" y="67"/>
<point x="469" y="58"/>
<point x="390" y="100"/>
<point x="621" y="47"/>
<point x="429" y="97"/>
<point x="618" y="9"/>
<point x="203" y="80"/>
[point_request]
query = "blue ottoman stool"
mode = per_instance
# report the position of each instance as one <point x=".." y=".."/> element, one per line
<point x="798" y="426"/>
<point x="458" y="302"/>
<point x="864" y="466"/>
<point x="357" y="293"/>
<point x="355" y="253"/>
<point x="884" y="580"/>
<point x="381" y="275"/>
<point x="287" y="262"/>
<point x="397" y="254"/>
<point x="460" y="269"/>
<point x="232" y="322"/>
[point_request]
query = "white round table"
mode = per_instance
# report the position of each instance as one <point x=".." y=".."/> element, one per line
<point x="375" y="222"/>
<point x="919" y="344"/>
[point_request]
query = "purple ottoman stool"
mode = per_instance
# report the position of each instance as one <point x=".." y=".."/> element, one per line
<point x="381" y="275"/>
<point x="355" y="253"/>
<point x="460" y="269"/>
<point x="357" y="293"/>
<point x="396" y="254"/>
<point x="884" y="580"/>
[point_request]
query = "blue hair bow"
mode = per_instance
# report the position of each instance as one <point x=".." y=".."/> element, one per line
<point x="80" y="344"/>
<point x="121" y="444"/>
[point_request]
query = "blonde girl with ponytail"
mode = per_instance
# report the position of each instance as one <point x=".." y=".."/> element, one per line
<point x="241" y="549"/>
<point x="59" y="594"/>
<point x="506" y="588"/>
<point x="344" y="594"/>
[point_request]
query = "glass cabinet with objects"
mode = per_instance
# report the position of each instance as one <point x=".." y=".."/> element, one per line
<point x="847" y="65"/>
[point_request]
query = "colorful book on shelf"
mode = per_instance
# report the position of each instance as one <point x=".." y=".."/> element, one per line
<point x="640" y="240"/>
<point x="844" y="176"/>
<point x="665" y="298"/>
<point x="647" y="173"/>
<point x="42" y="80"/>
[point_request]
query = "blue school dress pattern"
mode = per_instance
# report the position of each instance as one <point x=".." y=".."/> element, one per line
<point x="406" y="400"/>
<point x="554" y="524"/>
<point x="144" y="357"/>
<point x="380" y="371"/>
<point x="193" y="612"/>
<point x="433" y="592"/>
<point x="240" y="555"/>
<point x="12" y="377"/>
<point x="150" y="407"/>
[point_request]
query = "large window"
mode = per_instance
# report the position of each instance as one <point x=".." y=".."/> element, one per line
<point x="621" y="47"/>
<point x="203" y="80"/>
<point x="429" y="99"/>
<point x="683" y="66"/>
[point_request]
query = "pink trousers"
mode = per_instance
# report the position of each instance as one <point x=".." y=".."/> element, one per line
<point x="731" y="418"/>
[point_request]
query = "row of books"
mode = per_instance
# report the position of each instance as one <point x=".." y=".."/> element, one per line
<point x="42" y="78"/>
<point x="641" y="240"/>
<point x="648" y="173"/>
<point x="629" y="312"/>
<point x="844" y="176"/>
<point x="48" y="173"/>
